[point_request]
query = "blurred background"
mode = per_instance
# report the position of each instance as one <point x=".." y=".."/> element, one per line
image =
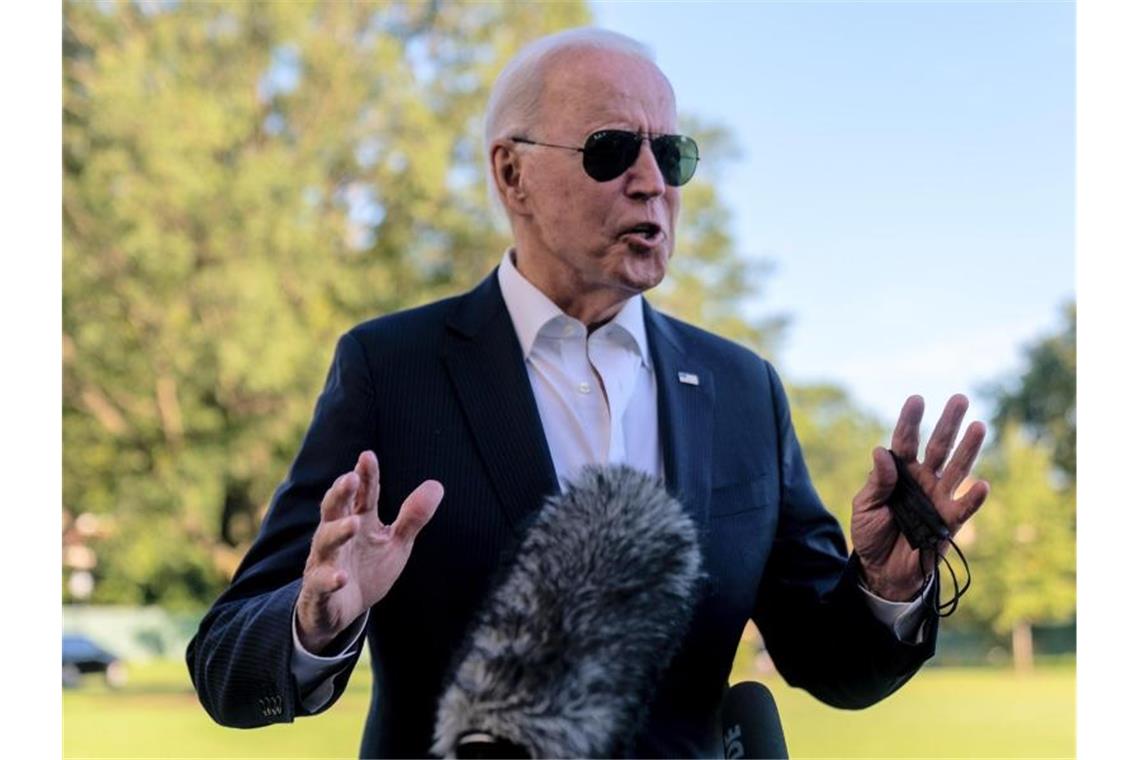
<point x="884" y="206"/>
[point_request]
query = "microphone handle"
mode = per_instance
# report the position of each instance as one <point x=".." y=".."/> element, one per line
<point x="752" y="723"/>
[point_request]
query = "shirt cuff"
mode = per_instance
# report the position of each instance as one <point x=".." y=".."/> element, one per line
<point x="313" y="673"/>
<point x="904" y="618"/>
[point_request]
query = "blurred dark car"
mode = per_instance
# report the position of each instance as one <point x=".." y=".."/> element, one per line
<point x="81" y="656"/>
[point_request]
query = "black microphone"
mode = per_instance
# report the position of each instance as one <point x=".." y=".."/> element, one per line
<point x="564" y="657"/>
<point x="752" y="723"/>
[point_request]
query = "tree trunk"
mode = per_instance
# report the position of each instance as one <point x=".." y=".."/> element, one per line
<point x="1022" y="646"/>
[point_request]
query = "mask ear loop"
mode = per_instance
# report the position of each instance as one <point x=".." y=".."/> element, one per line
<point x="946" y="609"/>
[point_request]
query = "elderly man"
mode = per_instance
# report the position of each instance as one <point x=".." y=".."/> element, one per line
<point x="553" y="362"/>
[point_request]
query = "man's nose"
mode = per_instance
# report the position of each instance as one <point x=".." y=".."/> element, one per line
<point x="645" y="178"/>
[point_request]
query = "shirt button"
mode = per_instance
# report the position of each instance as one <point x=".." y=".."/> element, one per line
<point x="583" y="387"/>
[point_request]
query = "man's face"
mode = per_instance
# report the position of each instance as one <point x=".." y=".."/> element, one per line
<point x="583" y="231"/>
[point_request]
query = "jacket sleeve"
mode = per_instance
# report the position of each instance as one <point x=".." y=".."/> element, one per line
<point x="239" y="659"/>
<point x="816" y="623"/>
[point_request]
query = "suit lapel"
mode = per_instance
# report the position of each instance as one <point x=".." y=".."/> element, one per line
<point x="488" y="372"/>
<point x="685" y="395"/>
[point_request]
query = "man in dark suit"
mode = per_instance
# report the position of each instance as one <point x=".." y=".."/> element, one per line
<point x="502" y="394"/>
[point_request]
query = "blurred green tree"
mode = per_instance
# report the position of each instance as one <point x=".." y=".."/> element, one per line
<point x="1021" y="545"/>
<point x="242" y="183"/>
<point x="1043" y="401"/>
<point x="837" y="439"/>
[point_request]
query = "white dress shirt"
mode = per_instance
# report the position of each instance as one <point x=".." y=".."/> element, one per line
<point x="596" y="392"/>
<point x="597" y="398"/>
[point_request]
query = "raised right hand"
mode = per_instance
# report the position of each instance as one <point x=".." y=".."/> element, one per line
<point x="355" y="559"/>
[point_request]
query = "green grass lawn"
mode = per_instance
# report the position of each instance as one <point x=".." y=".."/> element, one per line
<point x="942" y="712"/>
<point x="967" y="712"/>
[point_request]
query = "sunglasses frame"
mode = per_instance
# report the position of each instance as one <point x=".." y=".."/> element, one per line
<point x="654" y="142"/>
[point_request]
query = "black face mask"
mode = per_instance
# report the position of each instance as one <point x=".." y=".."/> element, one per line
<point x="608" y="153"/>
<point x="924" y="529"/>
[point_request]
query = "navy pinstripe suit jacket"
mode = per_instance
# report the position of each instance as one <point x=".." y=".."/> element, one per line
<point x="442" y="392"/>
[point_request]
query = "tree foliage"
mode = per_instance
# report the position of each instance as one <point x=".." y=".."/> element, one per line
<point x="1022" y="544"/>
<point x="837" y="439"/>
<point x="1043" y="401"/>
<point x="242" y="183"/>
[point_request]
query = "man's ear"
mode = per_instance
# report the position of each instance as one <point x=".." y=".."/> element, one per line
<point x="508" y="178"/>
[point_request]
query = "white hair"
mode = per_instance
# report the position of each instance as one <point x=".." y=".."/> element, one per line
<point x="516" y="96"/>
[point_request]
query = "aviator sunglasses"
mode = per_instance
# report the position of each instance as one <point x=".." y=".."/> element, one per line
<point x="608" y="153"/>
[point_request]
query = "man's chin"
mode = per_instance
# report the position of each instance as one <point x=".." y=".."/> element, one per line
<point x="640" y="276"/>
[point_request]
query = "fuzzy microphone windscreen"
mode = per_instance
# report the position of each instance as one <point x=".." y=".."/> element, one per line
<point x="565" y="655"/>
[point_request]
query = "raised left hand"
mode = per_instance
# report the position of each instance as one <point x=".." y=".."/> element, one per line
<point x="892" y="569"/>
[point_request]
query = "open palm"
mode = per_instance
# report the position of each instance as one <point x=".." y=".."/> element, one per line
<point x="355" y="558"/>
<point x="893" y="569"/>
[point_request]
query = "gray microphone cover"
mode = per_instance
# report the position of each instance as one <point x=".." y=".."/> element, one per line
<point x="565" y="655"/>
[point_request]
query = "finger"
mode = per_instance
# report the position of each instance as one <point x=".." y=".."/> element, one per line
<point x="945" y="432"/>
<point x="904" y="442"/>
<point x="880" y="481"/>
<point x="417" y="509"/>
<point x="963" y="460"/>
<point x="970" y="503"/>
<point x="339" y="497"/>
<point x="368" y="495"/>
<point x="330" y="536"/>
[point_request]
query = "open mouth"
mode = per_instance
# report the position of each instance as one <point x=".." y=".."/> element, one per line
<point x="645" y="233"/>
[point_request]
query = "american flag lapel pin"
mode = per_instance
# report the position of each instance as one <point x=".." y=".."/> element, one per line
<point x="688" y="378"/>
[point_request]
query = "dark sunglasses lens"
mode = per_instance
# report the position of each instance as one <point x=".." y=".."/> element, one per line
<point x="677" y="157"/>
<point x="608" y="154"/>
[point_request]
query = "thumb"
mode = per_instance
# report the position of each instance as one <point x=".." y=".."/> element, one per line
<point x="417" y="510"/>
<point x="880" y="481"/>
